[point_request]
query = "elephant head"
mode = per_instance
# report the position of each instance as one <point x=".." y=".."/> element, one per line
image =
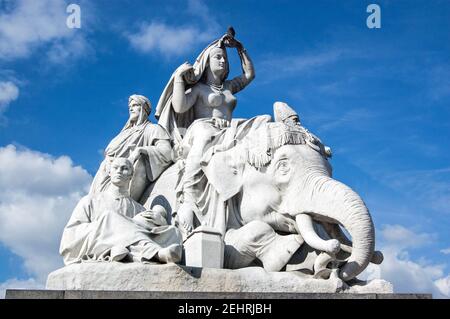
<point x="278" y="168"/>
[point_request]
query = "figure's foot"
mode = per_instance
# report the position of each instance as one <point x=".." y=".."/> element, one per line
<point x="171" y="254"/>
<point x="185" y="217"/>
<point x="332" y="246"/>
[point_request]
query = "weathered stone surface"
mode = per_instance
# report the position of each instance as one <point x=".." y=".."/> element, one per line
<point x="204" y="248"/>
<point x="33" y="294"/>
<point x="100" y="294"/>
<point x="114" y="276"/>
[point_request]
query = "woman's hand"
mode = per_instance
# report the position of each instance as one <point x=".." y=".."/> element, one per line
<point x="232" y="43"/>
<point x="184" y="70"/>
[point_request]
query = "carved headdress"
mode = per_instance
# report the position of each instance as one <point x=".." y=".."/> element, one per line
<point x="282" y="111"/>
<point x="176" y="124"/>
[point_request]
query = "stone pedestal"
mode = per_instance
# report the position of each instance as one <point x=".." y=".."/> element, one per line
<point x="115" y="276"/>
<point x="204" y="248"/>
<point x="99" y="294"/>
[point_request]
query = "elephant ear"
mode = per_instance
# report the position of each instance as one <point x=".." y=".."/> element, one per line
<point x="224" y="172"/>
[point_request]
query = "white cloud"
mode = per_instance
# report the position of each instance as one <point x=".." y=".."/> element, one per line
<point x="173" y="40"/>
<point x="402" y="237"/>
<point x="199" y="9"/>
<point x="446" y="251"/>
<point x="15" y="283"/>
<point x="406" y="275"/>
<point x="37" y="195"/>
<point x="274" y="67"/>
<point x="356" y="119"/>
<point x="31" y="24"/>
<point x="9" y="92"/>
<point x="444" y="285"/>
<point x="165" y="39"/>
<point x="430" y="186"/>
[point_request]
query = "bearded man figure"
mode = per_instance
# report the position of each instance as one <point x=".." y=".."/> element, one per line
<point x="145" y="144"/>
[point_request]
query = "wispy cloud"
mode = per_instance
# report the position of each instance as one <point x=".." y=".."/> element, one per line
<point x="29" y="25"/>
<point x="174" y="39"/>
<point x="431" y="186"/>
<point x="439" y="81"/>
<point x="9" y="92"/>
<point x="402" y="238"/>
<point x="274" y="67"/>
<point x="166" y="39"/>
<point x="198" y="8"/>
<point x="353" y="119"/>
<point x="15" y="283"/>
<point x="446" y="251"/>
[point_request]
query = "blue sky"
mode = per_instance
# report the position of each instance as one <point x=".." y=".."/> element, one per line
<point x="379" y="97"/>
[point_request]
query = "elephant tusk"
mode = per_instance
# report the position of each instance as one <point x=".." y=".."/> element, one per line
<point x="377" y="257"/>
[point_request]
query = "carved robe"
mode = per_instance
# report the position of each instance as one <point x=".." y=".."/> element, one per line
<point x="157" y="148"/>
<point x="102" y="221"/>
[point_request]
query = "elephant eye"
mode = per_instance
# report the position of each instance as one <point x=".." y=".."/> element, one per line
<point x="283" y="165"/>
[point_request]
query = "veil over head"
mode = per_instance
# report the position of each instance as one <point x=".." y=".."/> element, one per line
<point x="177" y="124"/>
<point x="146" y="107"/>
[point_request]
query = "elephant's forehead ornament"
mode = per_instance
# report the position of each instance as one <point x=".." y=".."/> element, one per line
<point x="265" y="140"/>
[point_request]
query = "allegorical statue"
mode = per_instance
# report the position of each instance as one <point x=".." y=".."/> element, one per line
<point x="196" y="108"/>
<point x="285" y="114"/>
<point x="145" y="144"/>
<point x="111" y="226"/>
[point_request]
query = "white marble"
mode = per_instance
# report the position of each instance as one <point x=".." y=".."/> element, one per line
<point x="171" y="277"/>
<point x="145" y="144"/>
<point x="111" y="226"/>
<point x="204" y="247"/>
<point x="241" y="193"/>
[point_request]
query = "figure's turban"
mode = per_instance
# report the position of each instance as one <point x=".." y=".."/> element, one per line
<point x="282" y="111"/>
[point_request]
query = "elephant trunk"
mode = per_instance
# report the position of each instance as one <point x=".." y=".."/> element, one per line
<point x="329" y="200"/>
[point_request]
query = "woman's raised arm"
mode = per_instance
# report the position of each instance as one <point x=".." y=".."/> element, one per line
<point x="181" y="100"/>
<point x="248" y="71"/>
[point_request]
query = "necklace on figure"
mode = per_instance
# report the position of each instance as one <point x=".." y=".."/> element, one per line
<point x="216" y="98"/>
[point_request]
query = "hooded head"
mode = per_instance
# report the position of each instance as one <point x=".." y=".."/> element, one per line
<point x="139" y="108"/>
<point x="212" y="56"/>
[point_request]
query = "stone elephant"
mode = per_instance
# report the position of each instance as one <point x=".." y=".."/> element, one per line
<point x="276" y="175"/>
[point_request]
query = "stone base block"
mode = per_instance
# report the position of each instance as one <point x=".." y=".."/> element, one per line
<point x="98" y="294"/>
<point x="204" y="248"/>
<point x="134" y="277"/>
